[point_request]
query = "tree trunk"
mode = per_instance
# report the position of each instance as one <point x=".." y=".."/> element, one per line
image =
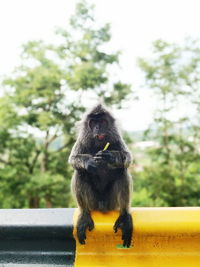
<point x="48" y="201"/>
<point x="34" y="202"/>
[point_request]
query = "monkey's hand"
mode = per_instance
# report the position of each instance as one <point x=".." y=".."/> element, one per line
<point x="105" y="156"/>
<point x="91" y="166"/>
<point x="124" y="222"/>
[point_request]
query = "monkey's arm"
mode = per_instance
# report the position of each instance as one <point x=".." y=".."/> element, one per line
<point x="79" y="156"/>
<point x="115" y="159"/>
<point x="84" y="162"/>
<point x="79" y="161"/>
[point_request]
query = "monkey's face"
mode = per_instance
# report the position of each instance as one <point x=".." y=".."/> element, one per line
<point x="98" y="127"/>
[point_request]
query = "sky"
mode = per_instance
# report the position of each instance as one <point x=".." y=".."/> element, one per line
<point x="135" y="24"/>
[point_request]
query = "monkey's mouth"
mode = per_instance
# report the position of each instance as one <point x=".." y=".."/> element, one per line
<point x="100" y="136"/>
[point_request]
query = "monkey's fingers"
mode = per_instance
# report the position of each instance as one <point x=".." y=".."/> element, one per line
<point x="107" y="156"/>
<point x="99" y="153"/>
<point x="103" y="153"/>
<point x="98" y="158"/>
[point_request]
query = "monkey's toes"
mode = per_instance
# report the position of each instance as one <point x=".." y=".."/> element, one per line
<point x="91" y="225"/>
<point x="127" y="242"/>
<point x="116" y="226"/>
<point x="127" y="237"/>
<point x="124" y="222"/>
<point x="81" y="236"/>
<point x="81" y="240"/>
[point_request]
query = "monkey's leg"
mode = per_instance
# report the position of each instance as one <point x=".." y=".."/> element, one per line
<point x="124" y="221"/>
<point x="84" y="222"/>
<point x="86" y="201"/>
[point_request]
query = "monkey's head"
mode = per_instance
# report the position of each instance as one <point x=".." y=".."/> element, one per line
<point x="100" y="123"/>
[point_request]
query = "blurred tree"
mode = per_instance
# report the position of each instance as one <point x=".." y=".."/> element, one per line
<point x="41" y="105"/>
<point x="172" y="178"/>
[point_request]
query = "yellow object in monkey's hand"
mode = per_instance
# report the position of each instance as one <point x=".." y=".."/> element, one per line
<point x="106" y="146"/>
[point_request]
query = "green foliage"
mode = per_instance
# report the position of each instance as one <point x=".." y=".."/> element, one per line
<point x="172" y="176"/>
<point x="42" y="104"/>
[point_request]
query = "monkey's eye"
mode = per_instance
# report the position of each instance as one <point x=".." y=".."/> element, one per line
<point x="92" y="124"/>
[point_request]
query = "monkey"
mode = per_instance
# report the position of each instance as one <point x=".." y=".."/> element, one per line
<point x="101" y="180"/>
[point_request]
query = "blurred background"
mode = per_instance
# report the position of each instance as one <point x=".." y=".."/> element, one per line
<point x="59" y="58"/>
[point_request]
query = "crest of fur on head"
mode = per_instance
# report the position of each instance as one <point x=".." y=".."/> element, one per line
<point x="99" y="110"/>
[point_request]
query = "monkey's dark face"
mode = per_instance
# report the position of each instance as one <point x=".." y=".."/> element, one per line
<point x="98" y="126"/>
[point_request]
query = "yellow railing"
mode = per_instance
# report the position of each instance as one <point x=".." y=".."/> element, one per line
<point x="163" y="237"/>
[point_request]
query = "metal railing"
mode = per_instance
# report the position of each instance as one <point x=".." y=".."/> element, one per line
<point x="163" y="237"/>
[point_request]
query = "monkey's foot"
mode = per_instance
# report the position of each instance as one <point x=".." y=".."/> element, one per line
<point x="85" y="222"/>
<point x="124" y="222"/>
